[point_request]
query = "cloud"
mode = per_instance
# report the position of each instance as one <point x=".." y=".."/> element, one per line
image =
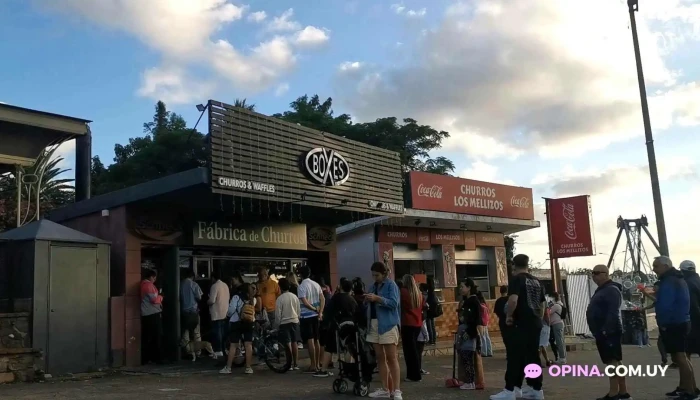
<point x="400" y="9"/>
<point x="482" y="171"/>
<point x="172" y="85"/>
<point x="284" y="22"/>
<point x="527" y="75"/>
<point x="349" y="66"/>
<point x="187" y="35"/>
<point x="311" y="37"/>
<point x="281" y="89"/>
<point x="258" y="16"/>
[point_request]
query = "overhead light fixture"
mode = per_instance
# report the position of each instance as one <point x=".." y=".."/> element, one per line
<point x="432" y="223"/>
<point x="463" y="226"/>
<point x="488" y="227"/>
<point x="417" y="222"/>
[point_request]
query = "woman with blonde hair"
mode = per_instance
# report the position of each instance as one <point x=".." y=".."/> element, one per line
<point x="411" y="323"/>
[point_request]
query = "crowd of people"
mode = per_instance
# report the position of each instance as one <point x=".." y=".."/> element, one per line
<point x="307" y="314"/>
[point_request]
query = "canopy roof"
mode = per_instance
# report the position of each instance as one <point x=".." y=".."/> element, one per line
<point x="50" y="231"/>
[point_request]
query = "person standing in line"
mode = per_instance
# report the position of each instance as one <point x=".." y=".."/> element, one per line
<point x="411" y="323"/>
<point x="287" y="312"/>
<point x="524" y="312"/>
<point x="659" y="342"/>
<point x="434" y="311"/>
<point x="693" y="281"/>
<point x="420" y="343"/>
<point x="324" y="327"/>
<point x="293" y="289"/>
<point x="151" y="319"/>
<point x="236" y="282"/>
<point x="468" y="339"/>
<point x="499" y="308"/>
<point x="673" y="319"/>
<point x="544" y="337"/>
<point x="190" y="295"/>
<point x="341" y="308"/>
<point x="605" y="322"/>
<point x="219" y="298"/>
<point x="557" y="316"/>
<point x="241" y="314"/>
<point x="383" y="315"/>
<point x="486" y="346"/>
<point x="312" y="304"/>
<point x="268" y="290"/>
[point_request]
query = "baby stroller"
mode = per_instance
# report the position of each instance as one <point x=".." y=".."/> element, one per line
<point x="356" y="359"/>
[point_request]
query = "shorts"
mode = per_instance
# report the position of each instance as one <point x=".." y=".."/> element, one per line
<point x="288" y="333"/>
<point x="544" y="336"/>
<point x="674" y="337"/>
<point x="240" y="331"/>
<point x="373" y="336"/>
<point x="610" y="348"/>
<point x="309" y="329"/>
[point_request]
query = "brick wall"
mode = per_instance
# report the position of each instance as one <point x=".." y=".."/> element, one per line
<point x="17" y="358"/>
<point x="448" y="322"/>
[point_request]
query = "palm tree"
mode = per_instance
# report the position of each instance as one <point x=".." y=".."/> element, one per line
<point x="42" y="190"/>
<point x="243" y="104"/>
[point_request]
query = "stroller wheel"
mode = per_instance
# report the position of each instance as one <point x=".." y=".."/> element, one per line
<point x="361" y="389"/>
<point x="340" y="386"/>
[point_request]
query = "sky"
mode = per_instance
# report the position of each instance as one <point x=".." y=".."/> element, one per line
<point x="535" y="93"/>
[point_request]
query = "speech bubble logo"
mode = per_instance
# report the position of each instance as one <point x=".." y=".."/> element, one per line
<point x="533" y="371"/>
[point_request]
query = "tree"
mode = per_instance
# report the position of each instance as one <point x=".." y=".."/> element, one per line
<point x="242" y="103"/>
<point x="168" y="147"/>
<point x="510" y="246"/>
<point x="46" y="176"/>
<point x="411" y="140"/>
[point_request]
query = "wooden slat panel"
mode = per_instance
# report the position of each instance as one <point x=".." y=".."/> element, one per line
<point x="248" y="146"/>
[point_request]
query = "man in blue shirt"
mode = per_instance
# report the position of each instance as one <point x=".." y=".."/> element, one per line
<point x="673" y="319"/>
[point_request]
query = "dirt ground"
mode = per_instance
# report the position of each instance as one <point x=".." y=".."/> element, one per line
<point x="265" y="384"/>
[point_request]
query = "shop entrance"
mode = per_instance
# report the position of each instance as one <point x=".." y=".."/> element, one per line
<point x="478" y="272"/>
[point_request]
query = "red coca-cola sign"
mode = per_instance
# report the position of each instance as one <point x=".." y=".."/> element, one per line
<point x="569" y="225"/>
<point x="465" y="196"/>
<point x="433" y="192"/>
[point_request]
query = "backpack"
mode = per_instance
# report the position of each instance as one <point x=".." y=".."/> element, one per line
<point x="247" y="313"/>
<point x="564" y="312"/>
<point x="485" y="315"/>
<point x="437" y="312"/>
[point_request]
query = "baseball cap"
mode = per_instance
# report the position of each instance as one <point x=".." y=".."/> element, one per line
<point x="687" y="265"/>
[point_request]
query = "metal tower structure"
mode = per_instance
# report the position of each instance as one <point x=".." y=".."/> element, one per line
<point x="636" y="268"/>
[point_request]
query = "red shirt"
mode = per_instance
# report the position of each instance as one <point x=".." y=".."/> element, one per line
<point x="410" y="316"/>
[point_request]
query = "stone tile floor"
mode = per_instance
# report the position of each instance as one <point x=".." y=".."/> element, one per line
<point x="263" y="385"/>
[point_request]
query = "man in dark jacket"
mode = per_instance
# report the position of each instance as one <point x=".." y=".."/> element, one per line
<point x="605" y="323"/>
<point x="673" y="319"/>
<point x="693" y="281"/>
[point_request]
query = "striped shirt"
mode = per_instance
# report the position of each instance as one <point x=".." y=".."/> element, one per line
<point x="311" y="291"/>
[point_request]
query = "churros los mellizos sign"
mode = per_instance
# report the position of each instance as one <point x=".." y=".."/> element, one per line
<point x="465" y="196"/>
<point x="569" y="225"/>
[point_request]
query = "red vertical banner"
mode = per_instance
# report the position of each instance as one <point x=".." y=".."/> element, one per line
<point x="569" y="227"/>
<point x="449" y="269"/>
<point x="385" y="254"/>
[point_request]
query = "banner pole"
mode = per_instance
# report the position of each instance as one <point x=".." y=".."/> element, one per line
<point x="549" y="242"/>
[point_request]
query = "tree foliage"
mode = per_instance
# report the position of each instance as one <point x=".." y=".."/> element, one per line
<point x="510" y="246"/>
<point x="46" y="177"/>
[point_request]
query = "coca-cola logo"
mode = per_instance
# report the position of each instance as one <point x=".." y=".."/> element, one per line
<point x="519" y="202"/>
<point x="434" y="192"/>
<point x="570" y="218"/>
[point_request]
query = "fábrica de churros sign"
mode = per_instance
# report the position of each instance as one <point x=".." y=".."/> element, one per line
<point x="465" y="196"/>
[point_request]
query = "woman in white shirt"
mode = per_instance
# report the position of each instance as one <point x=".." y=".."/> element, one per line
<point x="240" y="329"/>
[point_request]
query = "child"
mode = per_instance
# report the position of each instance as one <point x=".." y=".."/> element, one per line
<point x="422" y="339"/>
<point x="467" y="348"/>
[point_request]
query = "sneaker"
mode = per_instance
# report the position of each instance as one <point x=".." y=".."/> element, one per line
<point x="300" y="346"/>
<point x="321" y="374"/>
<point x="248" y="370"/>
<point x="397" y="395"/>
<point x="225" y="370"/>
<point x="504" y="395"/>
<point x="380" y="394"/>
<point x="533" y="394"/>
<point x="295" y="368"/>
<point x="675" y="393"/>
<point x="608" y="397"/>
<point x="688" y="396"/>
<point x="641" y="346"/>
<point x="424" y="372"/>
<point x="468" y="386"/>
<point x="624" y="396"/>
<point x="518" y="392"/>
<point x="561" y="361"/>
<point x="219" y="354"/>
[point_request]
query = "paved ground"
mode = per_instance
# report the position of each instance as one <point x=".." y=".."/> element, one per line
<point x="266" y="385"/>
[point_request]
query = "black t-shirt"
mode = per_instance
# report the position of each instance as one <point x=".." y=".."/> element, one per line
<point x="342" y="307"/>
<point x="500" y="310"/>
<point x="530" y="294"/>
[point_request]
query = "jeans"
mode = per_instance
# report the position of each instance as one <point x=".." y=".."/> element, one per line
<point x="558" y="332"/>
<point x="641" y="336"/>
<point x="188" y="325"/>
<point x="523" y="350"/>
<point x="486" y="346"/>
<point x="218" y="331"/>
<point x="432" y="334"/>
<point x="151" y="334"/>
<point x="409" y="342"/>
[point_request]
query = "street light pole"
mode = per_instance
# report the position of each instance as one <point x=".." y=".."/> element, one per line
<point x="655" y="187"/>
